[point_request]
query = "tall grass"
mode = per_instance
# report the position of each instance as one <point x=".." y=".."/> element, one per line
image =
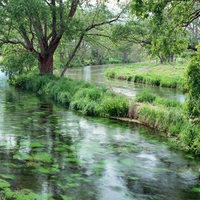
<point x="145" y="97"/>
<point x="151" y="74"/>
<point x="164" y="115"/>
<point x="167" y="116"/>
<point x="81" y="96"/>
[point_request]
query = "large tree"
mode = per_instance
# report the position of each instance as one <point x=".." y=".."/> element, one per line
<point x="39" y="25"/>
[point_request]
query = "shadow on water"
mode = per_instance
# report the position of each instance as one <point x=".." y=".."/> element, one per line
<point x="62" y="155"/>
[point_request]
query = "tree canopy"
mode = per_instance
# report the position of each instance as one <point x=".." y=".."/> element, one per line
<point x="39" y="25"/>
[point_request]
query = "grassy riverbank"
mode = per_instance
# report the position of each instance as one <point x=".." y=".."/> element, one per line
<point x="168" y="75"/>
<point x="165" y="116"/>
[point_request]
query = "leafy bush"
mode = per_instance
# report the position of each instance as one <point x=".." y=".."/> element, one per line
<point x="156" y="100"/>
<point x="193" y="87"/>
<point x="116" y="107"/>
<point x="145" y="97"/>
<point x="17" y="61"/>
<point x="167" y="102"/>
<point x="110" y="73"/>
<point x="89" y="93"/>
<point x="171" y="121"/>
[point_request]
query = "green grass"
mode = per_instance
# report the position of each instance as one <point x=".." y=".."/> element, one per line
<point x="167" y="116"/>
<point x="166" y="75"/>
<point x="1" y="59"/>
<point x="80" y="96"/>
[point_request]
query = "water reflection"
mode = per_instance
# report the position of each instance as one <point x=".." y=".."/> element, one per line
<point x="59" y="154"/>
<point x="95" y="74"/>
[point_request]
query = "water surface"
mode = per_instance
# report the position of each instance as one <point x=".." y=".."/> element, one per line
<point x="95" y="74"/>
<point x="59" y="154"/>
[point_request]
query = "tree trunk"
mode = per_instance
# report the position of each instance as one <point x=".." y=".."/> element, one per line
<point x="46" y="63"/>
<point x="72" y="55"/>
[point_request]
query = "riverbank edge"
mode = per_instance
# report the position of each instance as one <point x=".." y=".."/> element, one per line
<point x="142" y="73"/>
<point x="91" y="100"/>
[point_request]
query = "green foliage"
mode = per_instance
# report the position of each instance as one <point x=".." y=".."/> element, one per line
<point x="145" y="97"/>
<point x="17" y="61"/>
<point x="156" y="100"/>
<point x="167" y="102"/>
<point x="151" y="74"/>
<point x="117" y="106"/>
<point x="4" y="184"/>
<point x="81" y="96"/>
<point x="171" y="121"/>
<point x="33" y="82"/>
<point x="193" y="87"/>
<point x="165" y="20"/>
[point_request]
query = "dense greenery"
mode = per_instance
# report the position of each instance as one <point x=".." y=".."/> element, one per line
<point x="167" y="116"/>
<point x="41" y="31"/>
<point x="80" y="96"/>
<point x="44" y="28"/>
<point x="17" y="61"/>
<point x="151" y="73"/>
<point x="48" y="30"/>
<point x="193" y="87"/>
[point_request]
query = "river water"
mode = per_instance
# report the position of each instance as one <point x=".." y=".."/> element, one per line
<point x="59" y="154"/>
<point x="95" y="74"/>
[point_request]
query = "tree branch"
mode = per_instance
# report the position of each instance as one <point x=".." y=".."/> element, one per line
<point x="73" y="8"/>
<point x="72" y="55"/>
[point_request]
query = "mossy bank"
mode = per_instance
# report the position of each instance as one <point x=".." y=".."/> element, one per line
<point x="166" y="116"/>
<point x="155" y="74"/>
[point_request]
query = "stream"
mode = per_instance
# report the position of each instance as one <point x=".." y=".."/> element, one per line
<point x="59" y="154"/>
<point x="95" y="74"/>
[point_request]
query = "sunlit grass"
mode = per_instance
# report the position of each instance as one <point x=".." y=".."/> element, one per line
<point x="164" y="75"/>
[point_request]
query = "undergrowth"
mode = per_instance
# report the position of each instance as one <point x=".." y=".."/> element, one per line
<point x="168" y="116"/>
<point x="151" y="74"/>
<point x="164" y="115"/>
<point x="80" y="96"/>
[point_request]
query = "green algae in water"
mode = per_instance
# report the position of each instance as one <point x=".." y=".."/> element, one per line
<point x="22" y="156"/>
<point x="58" y="131"/>
<point x="65" y="197"/>
<point x="43" y="157"/>
<point x="36" y="145"/>
<point x="8" y="193"/>
<point x="26" y="194"/>
<point x="47" y="170"/>
<point x="73" y="160"/>
<point x="196" y="190"/>
<point x="4" y="184"/>
<point x="62" y="148"/>
<point x="7" y="176"/>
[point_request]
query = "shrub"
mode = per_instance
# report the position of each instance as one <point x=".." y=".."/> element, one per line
<point x="193" y="85"/>
<point x="167" y="102"/>
<point x="115" y="107"/>
<point x="89" y="93"/>
<point x="110" y="73"/>
<point x="145" y="97"/>
<point x="91" y="109"/>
